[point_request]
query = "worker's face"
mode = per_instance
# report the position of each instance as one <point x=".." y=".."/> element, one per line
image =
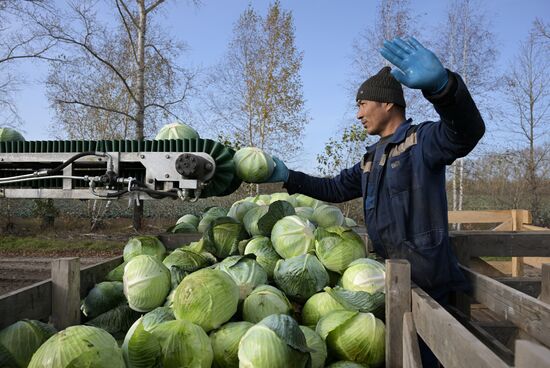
<point x="373" y="115"/>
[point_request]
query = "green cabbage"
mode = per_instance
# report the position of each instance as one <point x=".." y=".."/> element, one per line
<point x="364" y="274"/>
<point x="354" y="336"/>
<point x="253" y="165"/>
<point x="144" y="244"/>
<point x="207" y="297"/>
<point x="326" y="215"/>
<point x="146" y="283"/>
<point x="223" y="236"/>
<point x="292" y="236"/>
<point x="103" y="296"/>
<point x="9" y="134"/>
<point x="264" y="301"/>
<point x="274" y="342"/>
<point x="19" y="341"/>
<point x="79" y="346"/>
<point x="245" y="271"/>
<point x="337" y="247"/>
<point x="225" y="343"/>
<point x="177" y="131"/>
<point x="300" y="277"/>
<point x="317" y="346"/>
<point x="265" y="254"/>
<point x="318" y="306"/>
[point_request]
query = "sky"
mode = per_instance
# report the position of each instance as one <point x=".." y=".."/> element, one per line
<point x="324" y="30"/>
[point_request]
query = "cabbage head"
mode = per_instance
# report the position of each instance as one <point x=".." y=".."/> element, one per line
<point x="103" y="296"/>
<point x="144" y="244"/>
<point x="306" y="201"/>
<point x="182" y="262"/>
<point x="223" y="236"/>
<point x="317" y="346"/>
<point x="245" y="271"/>
<point x="326" y="215"/>
<point x="253" y="165"/>
<point x="167" y="344"/>
<point x="300" y="277"/>
<point x="264" y="301"/>
<point x="177" y="131"/>
<point x="19" y="341"/>
<point x="207" y="297"/>
<point x="265" y="254"/>
<point x="116" y="273"/>
<point x="304" y="212"/>
<point x="79" y="346"/>
<point x="349" y="222"/>
<point x="354" y="336"/>
<point x="359" y="301"/>
<point x="292" y="236"/>
<point x="182" y="227"/>
<point x="9" y="134"/>
<point x="225" y="343"/>
<point x="318" y="306"/>
<point x="183" y="344"/>
<point x="282" y="196"/>
<point x="364" y="274"/>
<point x="210" y="215"/>
<point x="190" y="219"/>
<point x="337" y="247"/>
<point x="239" y="209"/>
<point x="250" y="220"/>
<point x="146" y="283"/>
<point x="274" y="342"/>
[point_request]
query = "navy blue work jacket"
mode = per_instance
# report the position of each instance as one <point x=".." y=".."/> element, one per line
<point x="404" y="191"/>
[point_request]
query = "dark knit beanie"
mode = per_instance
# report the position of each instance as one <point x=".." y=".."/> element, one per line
<point x="382" y="87"/>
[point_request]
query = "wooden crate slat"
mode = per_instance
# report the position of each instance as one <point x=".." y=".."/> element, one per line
<point x="451" y="342"/>
<point x="526" y="312"/>
<point x="531" y="355"/>
<point x="33" y="302"/>
<point x="502" y="244"/>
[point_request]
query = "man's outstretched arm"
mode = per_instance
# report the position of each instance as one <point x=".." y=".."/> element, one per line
<point x="461" y="124"/>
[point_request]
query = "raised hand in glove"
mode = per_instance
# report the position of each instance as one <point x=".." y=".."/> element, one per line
<point x="419" y="68"/>
<point x="280" y="172"/>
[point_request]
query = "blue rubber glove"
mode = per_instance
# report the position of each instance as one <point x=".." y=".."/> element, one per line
<point x="419" y="67"/>
<point x="280" y="172"/>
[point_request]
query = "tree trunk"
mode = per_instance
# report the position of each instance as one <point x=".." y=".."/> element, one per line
<point x="140" y="115"/>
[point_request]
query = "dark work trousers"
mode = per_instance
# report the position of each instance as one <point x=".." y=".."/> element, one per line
<point x="428" y="358"/>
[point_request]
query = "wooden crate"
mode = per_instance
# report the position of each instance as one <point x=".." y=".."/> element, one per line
<point x="455" y="339"/>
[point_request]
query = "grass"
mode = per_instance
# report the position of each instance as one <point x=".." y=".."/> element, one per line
<point x="10" y="244"/>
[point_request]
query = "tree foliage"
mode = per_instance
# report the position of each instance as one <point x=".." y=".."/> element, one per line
<point x="255" y="94"/>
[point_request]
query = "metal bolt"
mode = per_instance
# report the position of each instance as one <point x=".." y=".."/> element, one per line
<point x="208" y="166"/>
<point x="100" y="159"/>
<point x="150" y="181"/>
<point x="167" y="156"/>
<point x="166" y="175"/>
<point x="142" y="156"/>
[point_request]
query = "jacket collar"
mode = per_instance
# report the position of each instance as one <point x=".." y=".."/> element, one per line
<point x="398" y="136"/>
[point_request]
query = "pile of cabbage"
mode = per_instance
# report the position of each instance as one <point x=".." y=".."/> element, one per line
<point x="274" y="281"/>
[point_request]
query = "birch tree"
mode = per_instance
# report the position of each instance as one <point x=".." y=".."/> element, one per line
<point x="466" y="46"/>
<point x="255" y="95"/>
<point x="527" y="87"/>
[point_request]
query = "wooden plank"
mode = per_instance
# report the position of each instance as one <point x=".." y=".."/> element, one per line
<point x="173" y="241"/>
<point x="33" y="302"/>
<point x="517" y="262"/>
<point x="529" y="314"/>
<point x="461" y="300"/>
<point x="91" y="275"/>
<point x="65" y="292"/>
<point x="545" y="284"/>
<point x="411" y="351"/>
<point x="398" y="302"/>
<point x="528" y="227"/>
<point x="479" y="265"/>
<point x="492" y="342"/>
<point x="479" y="217"/>
<point x="502" y="244"/>
<point x="527" y="285"/>
<point x="505" y="226"/>
<point x="452" y="343"/>
<point x="531" y="355"/>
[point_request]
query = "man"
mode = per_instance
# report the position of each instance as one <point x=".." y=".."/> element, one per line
<point x="402" y="177"/>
